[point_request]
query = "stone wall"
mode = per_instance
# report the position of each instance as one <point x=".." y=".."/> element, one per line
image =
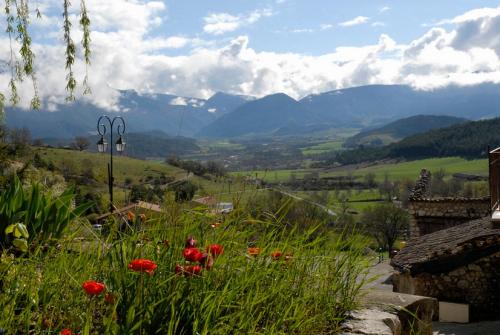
<point x="430" y="215"/>
<point x="477" y="284"/>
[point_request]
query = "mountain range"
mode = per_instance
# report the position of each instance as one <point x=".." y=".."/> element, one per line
<point x="228" y="116"/>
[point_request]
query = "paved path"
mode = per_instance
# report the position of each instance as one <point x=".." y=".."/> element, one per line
<point x="382" y="273"/>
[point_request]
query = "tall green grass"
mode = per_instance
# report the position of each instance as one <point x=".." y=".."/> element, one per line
<point x="310" y="293"/>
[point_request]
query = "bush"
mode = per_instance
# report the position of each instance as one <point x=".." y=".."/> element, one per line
<point x="185" y="191"/>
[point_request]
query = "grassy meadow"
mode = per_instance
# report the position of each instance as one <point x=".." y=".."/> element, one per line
<point x="135" y="171"/>
<point x="267" y="275"/>
<point x="394" y="170"/>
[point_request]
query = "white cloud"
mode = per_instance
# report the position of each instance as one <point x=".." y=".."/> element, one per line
<point x="378" y="24"/>
<point x="354" y="22"/>
<point x="384" y="9"/>
<point x="220" y="23"/>
<point x="126" y="58"/>
<point x="179" y="101"/>
<point x="326" y="26"/>
<point x="302" y="30"/>
<point x="474" y="15"/>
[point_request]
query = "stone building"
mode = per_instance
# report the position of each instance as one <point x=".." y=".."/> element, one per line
<point x="460" y="264"/>
<point x="428" y="214"/>
<point x="454" y="249"/>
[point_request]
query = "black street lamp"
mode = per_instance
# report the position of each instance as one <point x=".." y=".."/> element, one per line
<point x="102" y="146"/>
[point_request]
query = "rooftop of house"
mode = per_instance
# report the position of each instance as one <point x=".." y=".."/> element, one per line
<point x="132" y="207"/>
<point x="208" y="200"/>
<point x="447" y="249"/>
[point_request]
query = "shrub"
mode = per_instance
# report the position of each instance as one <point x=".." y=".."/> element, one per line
<point x="42" y="215"/>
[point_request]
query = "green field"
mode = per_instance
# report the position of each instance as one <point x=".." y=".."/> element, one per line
<point x="218" y="145"/>
<point x="395" y="171"/>
<point x="272" y="175"/>
<point x="323" y="147"/>
<point x="411" y="170"/>
<point x="357" y="200"/>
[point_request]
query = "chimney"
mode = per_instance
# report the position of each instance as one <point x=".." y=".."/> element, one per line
<point x="494" y="181"/>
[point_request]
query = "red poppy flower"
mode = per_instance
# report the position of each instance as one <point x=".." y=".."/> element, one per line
<point x="253" y="251"/>
<point x="110" y="298"/>
<point x="190" y="242"/>
<point x="215" y="249"/>
<point x="142" y="265"/>
<point x="192" y="254"/>
<point x="66" y="331"/>
<point x="276" y="255"/>
<point x="193" y="270"/>
<point x="91" y="287"/>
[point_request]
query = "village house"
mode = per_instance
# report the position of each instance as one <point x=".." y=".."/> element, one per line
<point x="454" y="250"/>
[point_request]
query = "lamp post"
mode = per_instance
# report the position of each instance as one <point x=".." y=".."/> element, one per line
<point x="102" y="146"/>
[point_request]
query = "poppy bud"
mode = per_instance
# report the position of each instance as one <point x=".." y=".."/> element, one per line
<point x="190" y="242"/>
<point x="276" y="255"/>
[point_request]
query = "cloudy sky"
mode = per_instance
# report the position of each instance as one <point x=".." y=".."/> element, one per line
<point x="257" y="47"/>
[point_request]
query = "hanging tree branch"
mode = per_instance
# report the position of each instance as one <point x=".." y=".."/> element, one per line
<point x="17" y="15"/>
<point x="85" y="25"/>
<point x="70" y="53"/>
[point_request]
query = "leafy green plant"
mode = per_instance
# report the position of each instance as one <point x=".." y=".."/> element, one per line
<point x="31" y="216"/>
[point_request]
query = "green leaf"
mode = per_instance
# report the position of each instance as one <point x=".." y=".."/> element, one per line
<point x="86" y="328"/>
<point x="10" y="229"/>
<point x="20" y="244"/>
<point x="21" y="228"/>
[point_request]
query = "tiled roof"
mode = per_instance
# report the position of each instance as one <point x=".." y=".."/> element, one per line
<point x="132" y="207"/>
<point x="450" y="248"/>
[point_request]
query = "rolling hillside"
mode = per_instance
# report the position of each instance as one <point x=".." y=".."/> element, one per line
<point x="467" y="140"/>
<point x="400" y="129"/>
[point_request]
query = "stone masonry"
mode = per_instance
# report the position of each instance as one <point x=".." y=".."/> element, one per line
<point x="460" y="264"/>
<point x="477" y="284"/>
<point x="432" y="214"/>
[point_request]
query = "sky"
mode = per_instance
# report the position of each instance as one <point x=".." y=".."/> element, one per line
<point x="195" y="48"/>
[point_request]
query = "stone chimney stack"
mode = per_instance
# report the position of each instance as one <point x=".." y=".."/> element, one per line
<point x="422" y="189"/>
